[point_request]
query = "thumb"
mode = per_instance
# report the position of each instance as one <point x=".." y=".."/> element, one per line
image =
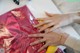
<point x="49" y="14"/>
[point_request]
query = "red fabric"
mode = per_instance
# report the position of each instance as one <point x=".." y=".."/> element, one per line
<point x="20" y="29"/>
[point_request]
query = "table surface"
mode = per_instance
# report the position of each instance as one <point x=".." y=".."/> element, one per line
<point x="38" y="9"/>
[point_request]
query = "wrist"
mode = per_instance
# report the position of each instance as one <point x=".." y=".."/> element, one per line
<point x="66" y="20"/>
<point x="75" y="17"/>
<point x="64" y="38"/>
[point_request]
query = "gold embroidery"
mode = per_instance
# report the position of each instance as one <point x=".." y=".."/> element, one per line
<point x="3" y="31"/>
<point x="17" y="14"/>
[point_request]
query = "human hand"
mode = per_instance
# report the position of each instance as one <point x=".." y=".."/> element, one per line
<point x="53" y="21"/>
<point x="51" y="38"/>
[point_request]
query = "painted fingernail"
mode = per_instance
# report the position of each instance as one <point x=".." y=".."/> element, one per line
<point x="38" y="51"/>
<point x="29" y="35"/>
<point x="41" y="30"/>
<point x="34" y="25"/>
<point x="31" y="44"/>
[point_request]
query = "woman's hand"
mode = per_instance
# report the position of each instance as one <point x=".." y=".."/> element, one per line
<point x="54" y="21"/>
<point x="51" y="38"/>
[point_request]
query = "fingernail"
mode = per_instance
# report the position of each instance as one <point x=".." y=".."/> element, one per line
<point x="40" y="30"/>
<point x="35" y="25"/>
<point x="38" y="51"/>
<point x="31" y="44"/>
<point x="29" y="35"/>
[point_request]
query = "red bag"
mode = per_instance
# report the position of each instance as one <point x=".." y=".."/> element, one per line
<point x="20" y="26"/>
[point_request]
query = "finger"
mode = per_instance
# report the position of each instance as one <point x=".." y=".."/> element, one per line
<point x="47" y="30"/>
<point x="47" y="26"/>
<point x="54" y="28"/>
<point x="49" y="14"/>
<point x="45" y="22"/>
<point x="43" y="47"/>
<point x="38" y="41"/>
<point x="36" y="35"/>
<point x="42" y="19"/>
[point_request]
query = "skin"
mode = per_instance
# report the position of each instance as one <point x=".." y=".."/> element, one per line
<point x="48" y="25"/>
<point x="52" y="22"/>
<point x="51" y="38"/>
